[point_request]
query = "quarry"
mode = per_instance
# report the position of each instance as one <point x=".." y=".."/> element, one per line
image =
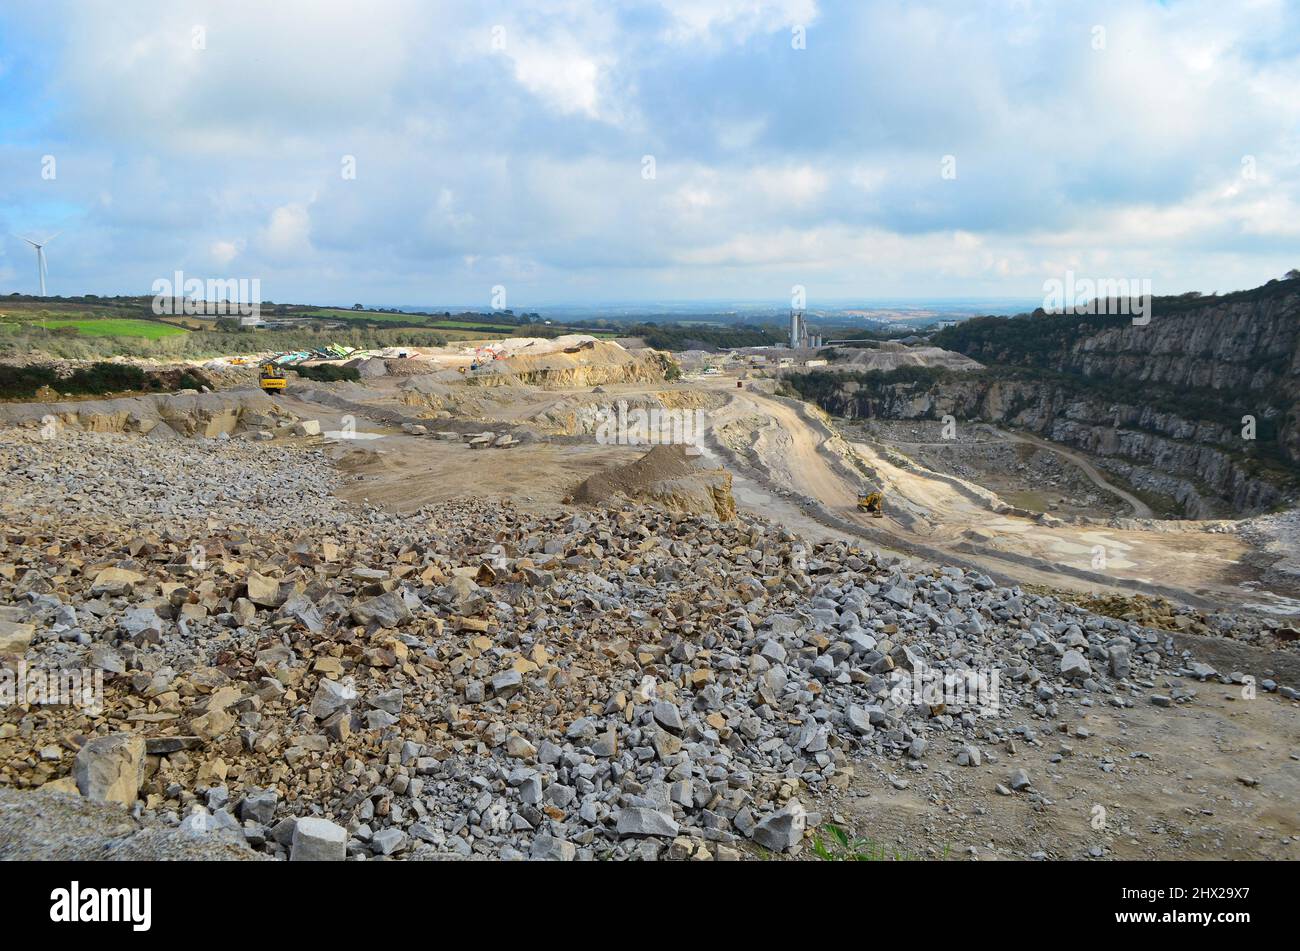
<point x="490" y="601"/>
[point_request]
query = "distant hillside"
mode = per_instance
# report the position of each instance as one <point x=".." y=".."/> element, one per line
<point x="1161" y="405"/>
<point x="1221" y="356"/>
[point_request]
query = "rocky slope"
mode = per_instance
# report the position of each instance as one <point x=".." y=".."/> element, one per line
<point x="590" y="363"/>
<point x="330" y="681"/>
<point x="668" y="477"/>
<point x="1162" y="403"/>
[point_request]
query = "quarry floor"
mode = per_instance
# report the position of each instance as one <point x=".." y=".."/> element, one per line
<point x="1216" y="778"/>
<point x="791" y="463"/>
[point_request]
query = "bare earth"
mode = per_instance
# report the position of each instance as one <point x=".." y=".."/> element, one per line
<point x="1218" y="777"/>
<point x="1146" y="783"/>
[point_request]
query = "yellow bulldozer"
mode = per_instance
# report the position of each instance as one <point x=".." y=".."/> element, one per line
<point x="873" y="503"/>
<point x="271" y="379"/>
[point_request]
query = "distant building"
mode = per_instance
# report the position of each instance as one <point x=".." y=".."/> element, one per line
<point x="800" y="338"/>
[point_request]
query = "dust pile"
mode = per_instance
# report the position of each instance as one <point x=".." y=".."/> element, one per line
<point x="668" y="477"/>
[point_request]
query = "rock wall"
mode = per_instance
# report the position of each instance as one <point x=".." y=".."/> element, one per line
<point x="1162" y="404"/>
<point x="1193" y="461"/>
<point x="171" y="414"/>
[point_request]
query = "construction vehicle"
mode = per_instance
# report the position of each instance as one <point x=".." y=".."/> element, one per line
<point x="483" y="356"/>
<point x="873" y="503"/>
<point x="271" y="379"/>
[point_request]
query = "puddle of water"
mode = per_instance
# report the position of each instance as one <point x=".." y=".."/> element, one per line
<point x="338" y="434"/>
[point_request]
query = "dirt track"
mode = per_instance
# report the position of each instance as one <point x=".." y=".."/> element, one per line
<point x="939" y="516"/>
<point x="1214" y="778"/>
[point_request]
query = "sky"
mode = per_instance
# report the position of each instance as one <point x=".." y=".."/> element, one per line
<point x="413" y="152"/>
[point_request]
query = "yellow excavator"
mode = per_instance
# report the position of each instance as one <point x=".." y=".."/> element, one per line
<point x="271" y="379"/>
<point x="873" y="503"/>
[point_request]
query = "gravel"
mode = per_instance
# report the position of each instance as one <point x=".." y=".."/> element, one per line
<point x="317" y="681"/>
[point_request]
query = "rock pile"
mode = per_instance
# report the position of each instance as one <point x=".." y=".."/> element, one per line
<point x="668" y="476"/>
<point x="1157" y="612"/>
<point x="326" y="682"/>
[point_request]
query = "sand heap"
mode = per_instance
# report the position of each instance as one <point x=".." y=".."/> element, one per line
<point x="584" y="362"/>
<point x="665" y="476"/>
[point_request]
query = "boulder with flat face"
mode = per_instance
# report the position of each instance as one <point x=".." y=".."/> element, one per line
<point x="782" y="830"/>
<point x="387" y="610"/>
<point x="14" y="636"/>
<point x="111" y="768"/>
<point x="115" y="581"/>
<point x="263" y="590"/>
<point x="318" y="840"/>
<point x="1074" y="666"/>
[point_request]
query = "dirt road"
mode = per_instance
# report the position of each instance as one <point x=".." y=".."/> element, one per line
<point x="1140" y="508"/>
<point x="791" y="447"/>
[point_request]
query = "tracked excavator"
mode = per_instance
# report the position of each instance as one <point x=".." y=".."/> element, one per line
<point x="872" y="502"/>
<point x="271" y="378"/>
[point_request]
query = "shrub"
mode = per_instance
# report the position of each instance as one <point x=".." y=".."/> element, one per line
<point x="20" y="382"/>
<point x="328" y="373"/>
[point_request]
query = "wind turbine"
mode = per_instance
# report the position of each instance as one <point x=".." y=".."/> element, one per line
<point x="40" y="255"/>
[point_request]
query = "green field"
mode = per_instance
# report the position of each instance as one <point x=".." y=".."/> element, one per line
<point x="148" y="329"/>
<point x="457" y="327"/>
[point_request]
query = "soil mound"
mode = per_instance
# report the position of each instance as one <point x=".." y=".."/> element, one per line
<point x="667" y="476"/>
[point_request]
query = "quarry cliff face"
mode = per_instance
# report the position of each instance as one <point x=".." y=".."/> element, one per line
<point x="1156" y="451"/>
<point x="1163" y="404"/>
<point x="1240" y="351"/>
<point x="1243" y="346"/>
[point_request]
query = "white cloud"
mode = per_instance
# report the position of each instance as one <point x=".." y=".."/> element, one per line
<point x="223" y="252"/>
<point x="288" y="231"/>
<point x="526" y="160"/>
<point x="561" y="76"/>
<point x="735" y="21"/>
<point x="796" y="186"/>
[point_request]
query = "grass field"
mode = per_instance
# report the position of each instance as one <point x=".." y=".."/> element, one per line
<point x="148" y="329"/>
<point x="455" y="328"/>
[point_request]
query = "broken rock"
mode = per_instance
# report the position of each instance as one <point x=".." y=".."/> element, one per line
<point x="111" y="768"/>
<point x="782" y="830"/>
